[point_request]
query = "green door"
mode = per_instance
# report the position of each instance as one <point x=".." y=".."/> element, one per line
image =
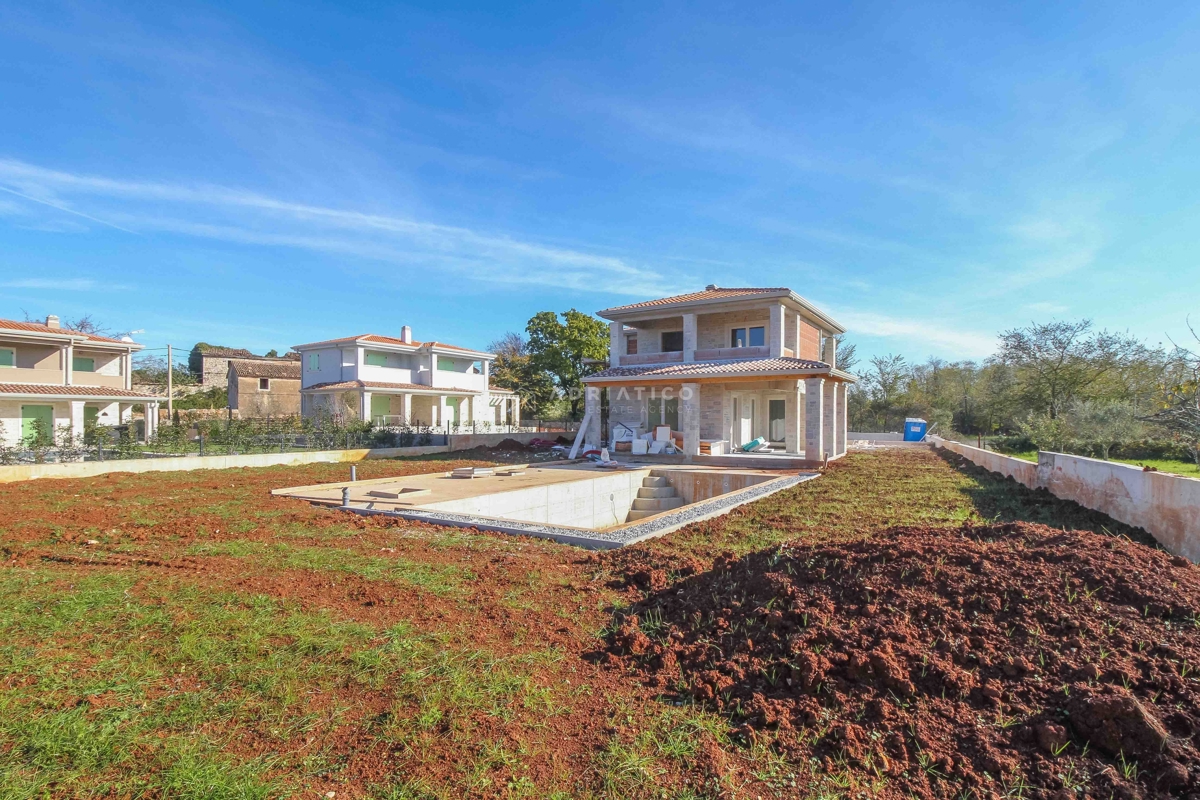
<point x="663" y="411"/>
<point x="453" y="403"/>
<point x="30" y="415"/>
<point x="381" y="405"/>
<point x="90" y="415"/>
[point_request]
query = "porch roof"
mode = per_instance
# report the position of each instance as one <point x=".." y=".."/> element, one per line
<point x="720" y="370"/>
<point x="389" y="388"/>
<point x="52" y="392"/>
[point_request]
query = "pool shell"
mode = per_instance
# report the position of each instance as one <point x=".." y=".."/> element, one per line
<point x="575" y="502"/>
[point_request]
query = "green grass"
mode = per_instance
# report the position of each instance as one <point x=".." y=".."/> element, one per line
<point x="441" y="580"/>
<point x="112" y="687"/>
<point x="1171" y="465"/>
<point x="866" y="492"/>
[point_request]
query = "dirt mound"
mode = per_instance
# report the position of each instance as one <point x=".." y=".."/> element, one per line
<point x="994" y="660"/>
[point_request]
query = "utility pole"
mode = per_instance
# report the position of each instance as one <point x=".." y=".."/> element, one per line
<point x="170" y="386"/>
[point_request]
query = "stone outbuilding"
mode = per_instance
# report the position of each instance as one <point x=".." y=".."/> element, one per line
<point x="262" y="387"/>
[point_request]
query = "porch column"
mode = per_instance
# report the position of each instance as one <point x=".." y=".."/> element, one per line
<point x="776" y="330"/>
<point x="689" y="337"/>
<point x="151" y="418"/>
<point x="441" y="411"/>
<point x="127" y="370"/>
<point x="591" y="414"/>
<point x="68" y="365"/>
<point x="814" y="421"/>
<point x="689" y="419"/>
<point x="829" y="354"/>
<point x="516" y="410"/>
<point x="364" y="406"/>
<point x="405" y="409"/>
<point x="843" y="410"/>
<point x="794" y="419"/>
<point x="831" y="417"/>
<point x="77" y="418"/>
<point x="796" y="336"/>
<point x="616" y="343"/>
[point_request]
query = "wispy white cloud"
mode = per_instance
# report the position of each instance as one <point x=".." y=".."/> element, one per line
<point x="944" y="338"/>
<point x="57" y="284"/>
<point x="238" y="215"/>
<point x="1047" y="308"/>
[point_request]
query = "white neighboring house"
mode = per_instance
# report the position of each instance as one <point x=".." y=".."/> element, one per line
<point x="65" y="378"/>
<point x="398" y="381"/>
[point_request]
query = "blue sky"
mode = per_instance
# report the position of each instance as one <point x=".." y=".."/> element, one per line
<point x="263" y="174"/>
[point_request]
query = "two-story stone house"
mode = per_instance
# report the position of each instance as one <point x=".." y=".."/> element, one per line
<point x="395" y="380"/>
<point x="724" y="367"/>
<point x="65" y="378"/>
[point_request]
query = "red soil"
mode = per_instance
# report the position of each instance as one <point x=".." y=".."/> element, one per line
<point x="946" y="660"/>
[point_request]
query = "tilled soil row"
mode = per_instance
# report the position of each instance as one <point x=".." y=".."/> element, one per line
<point x="1001" y="660"/>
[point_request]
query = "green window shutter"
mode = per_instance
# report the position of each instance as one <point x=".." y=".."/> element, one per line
<point x="381" y="405"/>
<point x="376" y="359"/>
<point x="314" y="362"/>
<point x="81" y="364"/>
<point x="8" y="357"/>
<point x="31" y="416"/>
<point x="445" y="363"/>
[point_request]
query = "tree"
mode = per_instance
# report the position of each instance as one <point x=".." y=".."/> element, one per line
<point x="561" y="349"/>
<point x="272" y="353"/>
<point x="196" y="357"/>
<point x="513" y="369"/>
<point x="847" y="354"/>
<point x="1057" y="362"/>
<point x="1104" y="424"/>
<point x="1180" y="414"/>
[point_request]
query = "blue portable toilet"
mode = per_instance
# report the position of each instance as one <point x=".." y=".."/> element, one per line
<point x="914" y="429"/>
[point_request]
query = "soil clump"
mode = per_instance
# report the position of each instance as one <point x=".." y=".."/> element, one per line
<point x="987" y="661"/>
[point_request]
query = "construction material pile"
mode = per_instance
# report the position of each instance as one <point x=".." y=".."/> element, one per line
<point x="1008" y="660"/>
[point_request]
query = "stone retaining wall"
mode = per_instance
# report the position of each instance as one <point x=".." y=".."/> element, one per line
<point x="1164" y="505"/>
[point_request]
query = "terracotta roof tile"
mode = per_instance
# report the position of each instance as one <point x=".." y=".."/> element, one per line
<point x="37" y="327"/>
<point x="72" y="391"/>
<point x="707" y="294"/>
<point x="282" y="368"/>
<point x="699" y="369"/>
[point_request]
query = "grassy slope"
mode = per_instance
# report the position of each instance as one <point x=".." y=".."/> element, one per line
<point x="227" y="644"/>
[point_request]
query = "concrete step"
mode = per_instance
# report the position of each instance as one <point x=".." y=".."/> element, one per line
<point x="635" y="515"/>
<point x="656" y="491"/>
<point x="651" y="482"/>
<point x="657" y="503"/>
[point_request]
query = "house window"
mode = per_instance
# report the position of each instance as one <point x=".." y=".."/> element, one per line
<point x="8" y="357"/>
<point x="757" y="337"/>
<point x="376" y="359"/>
<point x="79" y="364"/>
<point x="264" y="384"/>
<point x="672" y="341"/>
<point x="314" y="362"/>
<point x="631" y="345"/>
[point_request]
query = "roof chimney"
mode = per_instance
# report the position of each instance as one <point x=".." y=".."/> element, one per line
<point x="406" y="334"/>
<point x="710" y="288"/>
<point x="52" y="321"/>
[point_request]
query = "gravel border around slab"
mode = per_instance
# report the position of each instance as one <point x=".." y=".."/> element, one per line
<point x="648" y="528"/>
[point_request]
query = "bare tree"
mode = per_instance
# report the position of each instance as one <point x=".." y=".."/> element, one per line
<point x="1056" y="362"/>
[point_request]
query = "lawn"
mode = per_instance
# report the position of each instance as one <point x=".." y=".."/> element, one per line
<point x="1171" y="465"/>
<point x="188" y="635"/>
